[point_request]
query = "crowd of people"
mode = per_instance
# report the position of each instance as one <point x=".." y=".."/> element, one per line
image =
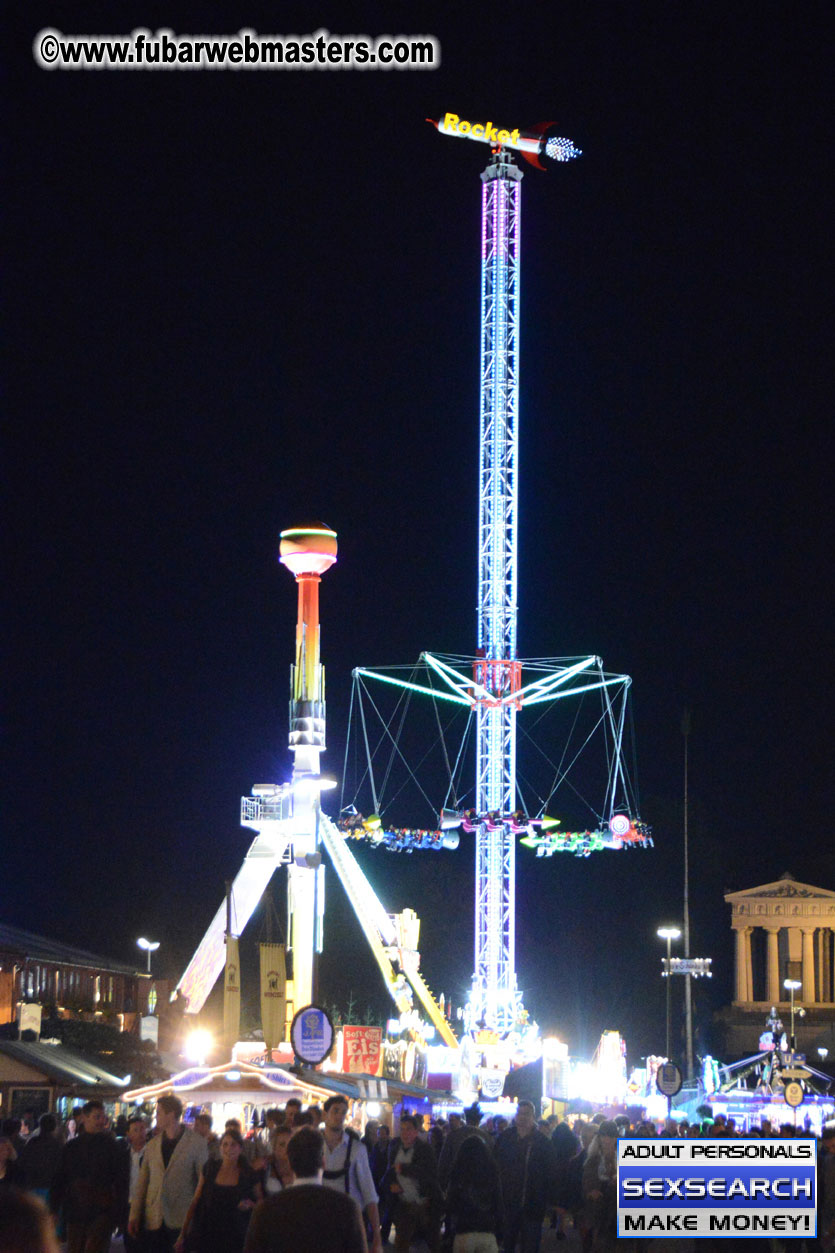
<point x="307" y="1180"/>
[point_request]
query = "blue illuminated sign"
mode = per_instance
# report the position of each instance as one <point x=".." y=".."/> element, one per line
<point x="312" y="1035"/>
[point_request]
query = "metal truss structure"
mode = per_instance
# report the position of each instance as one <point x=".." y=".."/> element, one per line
<point x="499" y="675"/>
<point x="495" y="1001"/>
<point x="496" y="690"/>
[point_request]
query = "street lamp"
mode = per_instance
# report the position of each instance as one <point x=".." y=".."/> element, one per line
<point x="150" y="946"/>
<point x="792" y="985"/>
<point x="669" y="934"/>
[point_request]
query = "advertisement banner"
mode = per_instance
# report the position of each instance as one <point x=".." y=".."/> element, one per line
<point x="29" y="1017"/>
<point x="149" y="1028"/>
<point x="362" y="1050"/>
<point x="736" y="1189"/>
<point x="273" y="994"/>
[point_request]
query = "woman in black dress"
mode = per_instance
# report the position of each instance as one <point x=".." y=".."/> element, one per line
<point x="219" y="1213"/>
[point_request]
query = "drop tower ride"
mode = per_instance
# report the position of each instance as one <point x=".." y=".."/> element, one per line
<point x="499" y="685"/>
<point x="498" y="691"/>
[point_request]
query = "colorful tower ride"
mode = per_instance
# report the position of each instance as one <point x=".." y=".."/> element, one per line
<point x="307" y="552"/>
<point x="499" y="674"/>
<point x="285" y="816"/>
<point x="496" y="690"/>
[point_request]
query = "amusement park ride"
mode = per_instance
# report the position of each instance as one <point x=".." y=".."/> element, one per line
<point x="493" y="686"/>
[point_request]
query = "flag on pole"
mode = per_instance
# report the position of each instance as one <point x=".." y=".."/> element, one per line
<point x="231" y="993"/>
<point x="273" y="994"/>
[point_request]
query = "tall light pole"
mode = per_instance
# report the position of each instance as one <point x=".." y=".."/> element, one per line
<point x="792" y="986"/>
<point x="669" y="934"/>
<point x="688" y="986"/>
<point x="150" y="946"/>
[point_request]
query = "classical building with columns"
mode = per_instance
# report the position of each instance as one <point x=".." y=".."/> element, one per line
<point x="782" y="930"/>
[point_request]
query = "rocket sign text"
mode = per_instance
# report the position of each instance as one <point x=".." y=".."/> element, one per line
<point x="485" y="131"/>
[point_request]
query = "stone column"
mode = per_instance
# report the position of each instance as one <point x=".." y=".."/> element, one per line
<point x="773" y="989"/>
<point x="739" y="964"/>
<point x="749" y="972"/>
<point x="826" y="966"/>
<point x="808" y="992"/>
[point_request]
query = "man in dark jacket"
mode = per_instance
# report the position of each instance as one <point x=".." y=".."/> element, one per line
<point x="454" y="1140"/>
<point x="412" y="1184"/>
<point x="41" y="1157"/>
<point x="89" y="1184"/>
<point x="525" y="1160"/>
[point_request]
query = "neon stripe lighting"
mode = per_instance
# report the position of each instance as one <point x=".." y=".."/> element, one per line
<point x="413" y="687"/>
<point x="307" y="530"/>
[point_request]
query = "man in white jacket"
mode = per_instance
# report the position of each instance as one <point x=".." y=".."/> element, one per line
<point x="169" y="1175"/>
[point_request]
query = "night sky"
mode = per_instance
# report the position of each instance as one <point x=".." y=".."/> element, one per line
<point x="239" y="301"/>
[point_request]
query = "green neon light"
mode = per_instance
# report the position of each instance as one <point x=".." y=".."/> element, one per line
<point x="306" y="530"/>
<point x="448" y="674"/>
<point x="573" y="691"/>
<point x="413" y="687"/>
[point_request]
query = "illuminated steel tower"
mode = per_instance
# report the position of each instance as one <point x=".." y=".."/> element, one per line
<point x="495" y="689"/>
<point x="499" y="674"/>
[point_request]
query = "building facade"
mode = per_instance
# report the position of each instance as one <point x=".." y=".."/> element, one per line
<point x="782" y="930"/>
<point x="40" y="971"/>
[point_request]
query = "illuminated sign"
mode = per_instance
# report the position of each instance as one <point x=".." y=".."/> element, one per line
<point x="532" y="144"/>
<point x="362" y="1050"/>
<point x="698" y="967"/>
<point x="486" y="132"/>
<point x="725" y="1188"/>
<point x="312" y="1035"/>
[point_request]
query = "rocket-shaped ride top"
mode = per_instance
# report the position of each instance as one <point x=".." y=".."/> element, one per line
<point x="307" y="551"/>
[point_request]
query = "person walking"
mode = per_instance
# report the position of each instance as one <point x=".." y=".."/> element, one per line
<point x="41" y="1157"/>
<point x="473" y="1202"/>
<point x="347" y="1168"/>
<point x="600" y="1188"/>
<point x="89" y="1183"/>
<point x="307" y="1215"/>
<point x="11" y="1175"/>
<point x="524" y="1159"/>
<point x="412" y="1184"/>
<point x="456" y="1137"/>
<point x="133" y="1151"/>
<point x="278" y="1173"/>
<point x="222" y="1205"/>
<point x="170" y="1172"/>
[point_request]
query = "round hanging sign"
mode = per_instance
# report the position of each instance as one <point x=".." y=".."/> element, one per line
<point x="793" y="1094"/>
<point x="312" y="1035"/>
<point x="668" y="1079"/>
